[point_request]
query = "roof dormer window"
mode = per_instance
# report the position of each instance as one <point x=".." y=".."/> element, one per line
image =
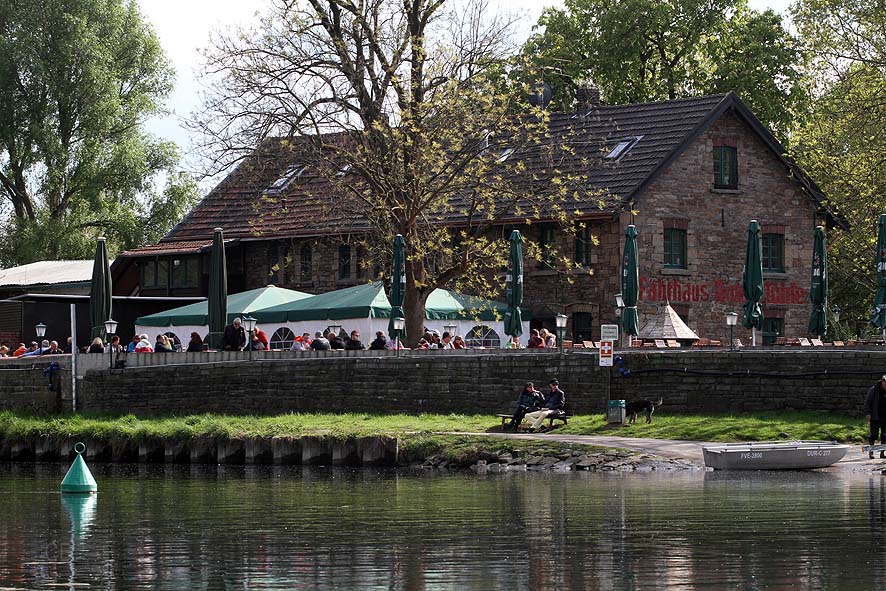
<point x="292" y="173"/>
<point x="621" y="148"/>
<point x="505" y="154"/>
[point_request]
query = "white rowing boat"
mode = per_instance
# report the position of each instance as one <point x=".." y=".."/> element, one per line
<point x="774" y="455"/>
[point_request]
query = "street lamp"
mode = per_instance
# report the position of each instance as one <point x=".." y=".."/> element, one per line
<point x="836" y="310"/>
<point x="731" y="321"/>
<point x="450" y="328"/>
<point x="110" y="329"/>
<point x="41" y="330"/>
<point x="335" y="329"/>
<point x="619" y="312"/>
<point x="561" y="329"/>
<point x="249" y="325"/>
<point x="399" y="325"/>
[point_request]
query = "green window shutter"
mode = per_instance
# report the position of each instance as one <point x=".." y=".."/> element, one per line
<point x="725" y="167"/>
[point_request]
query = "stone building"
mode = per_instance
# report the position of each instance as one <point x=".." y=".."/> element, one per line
<point x="690" y="174"/>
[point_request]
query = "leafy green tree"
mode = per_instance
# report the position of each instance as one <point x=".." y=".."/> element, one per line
<point x="843" y="143"/>
<point x="643" y="50"/>
<point x="394" y="103"/>
<point x="77" y="81"/>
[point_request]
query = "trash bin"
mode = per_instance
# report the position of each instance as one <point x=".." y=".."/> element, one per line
<point x="615" y="412"/>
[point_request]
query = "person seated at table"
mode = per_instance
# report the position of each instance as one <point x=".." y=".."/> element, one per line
<point x="195" y="345"/>
<point x="144" y="345"/>
<point x="255" y="342"/>
<point x="514" y="343"/>
<point x="380" y="342"/>
<point x="335" y="341"/>
<point x="162" y="345"/>
<point x="320" y="343"/>
<point x="535" y="340"/>
<point x="554" y="403"/>
<point x="354" y="343"/>
<point x="549" y="338"/>
<point x="459" y="343"/>
<point x="97" y="346"/>
<point x="234" y="338"/>
<point x="530" y="400"/>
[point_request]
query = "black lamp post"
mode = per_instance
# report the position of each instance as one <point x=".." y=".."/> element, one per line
<point x="399" y="325"/>
<point x="561" y="329"/>
<point x="110" y="330"/>
<point x="731" y="321"/>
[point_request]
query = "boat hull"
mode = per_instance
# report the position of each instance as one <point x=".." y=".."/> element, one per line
<point x="788" y="455"/>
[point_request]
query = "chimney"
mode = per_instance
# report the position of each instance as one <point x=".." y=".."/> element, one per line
<point x="586" y="98"/>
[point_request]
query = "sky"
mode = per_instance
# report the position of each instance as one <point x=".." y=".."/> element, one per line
<point x="185" y="27"/>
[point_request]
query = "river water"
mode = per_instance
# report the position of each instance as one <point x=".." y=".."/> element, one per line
<point x="162" y="527"/>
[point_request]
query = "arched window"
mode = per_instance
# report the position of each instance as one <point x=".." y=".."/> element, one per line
<point x="482" y="336"/>
<point x="281" y="339"/>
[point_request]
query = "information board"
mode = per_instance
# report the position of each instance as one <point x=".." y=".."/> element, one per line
<point x="609" y="332"/>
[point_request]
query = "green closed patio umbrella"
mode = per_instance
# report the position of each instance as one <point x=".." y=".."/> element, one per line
<point x="630" y="283"/>
<point x="100" y="290"/>
<point x="218" y="290"/>
<point x="752" y="282"/>
<point x="514" y="279"/>
<point x="818" y="290"/>
<point x="398" y="286"/>
<point x="878" y="316"/>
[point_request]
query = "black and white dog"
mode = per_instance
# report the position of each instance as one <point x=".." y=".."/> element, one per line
<point x="634" y="407"/>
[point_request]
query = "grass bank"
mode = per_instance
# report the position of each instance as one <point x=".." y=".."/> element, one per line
<point x="422" y="434"/>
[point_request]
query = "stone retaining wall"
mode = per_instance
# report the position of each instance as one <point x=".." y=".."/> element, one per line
<point x="482" y="382"/>
<point x="25" y="384"/>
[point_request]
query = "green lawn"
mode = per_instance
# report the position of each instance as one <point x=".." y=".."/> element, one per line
<point x="750" y="427"/>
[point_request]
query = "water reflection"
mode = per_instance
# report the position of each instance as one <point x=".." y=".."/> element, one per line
<point x="309" y="528"/>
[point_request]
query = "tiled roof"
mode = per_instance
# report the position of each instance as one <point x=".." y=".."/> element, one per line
<point x="242" y="205"/>
<point x="173" y="247"/>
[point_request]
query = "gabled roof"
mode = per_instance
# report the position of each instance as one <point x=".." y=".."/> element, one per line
<point x="658" y="131"/>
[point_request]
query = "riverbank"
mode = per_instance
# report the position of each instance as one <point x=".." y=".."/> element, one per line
<point x="431" y="441"/>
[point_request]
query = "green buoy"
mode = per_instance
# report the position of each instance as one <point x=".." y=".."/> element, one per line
<point x="79" y="479"/>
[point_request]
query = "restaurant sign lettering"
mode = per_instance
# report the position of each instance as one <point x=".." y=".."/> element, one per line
<point x="718" y="291"/>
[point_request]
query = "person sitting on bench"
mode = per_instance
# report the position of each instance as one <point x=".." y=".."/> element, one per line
<point x="530" y="400"/>
<point x="554" y="404"/>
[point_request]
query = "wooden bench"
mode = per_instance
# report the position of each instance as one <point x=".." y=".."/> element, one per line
<point x="564" y="418"/>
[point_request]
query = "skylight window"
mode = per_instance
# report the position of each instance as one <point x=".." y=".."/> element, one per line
<point x="505" y="154"/>
<point x="618" y="150"/>
<point x="292" y="173"/>
<point x="621" y="148"/>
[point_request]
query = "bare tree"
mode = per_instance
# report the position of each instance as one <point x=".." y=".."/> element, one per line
<point x="402" y="106"/>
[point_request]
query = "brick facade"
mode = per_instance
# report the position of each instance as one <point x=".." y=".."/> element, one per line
<point x="691" y="235"/>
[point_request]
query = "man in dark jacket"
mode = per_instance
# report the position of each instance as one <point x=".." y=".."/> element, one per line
<point x="234" y="338"/>
<point x="335" y="341"/>
<point x="354" y="343"/>
<point x="530" y="400"/>
<point x="875" y="409"/>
